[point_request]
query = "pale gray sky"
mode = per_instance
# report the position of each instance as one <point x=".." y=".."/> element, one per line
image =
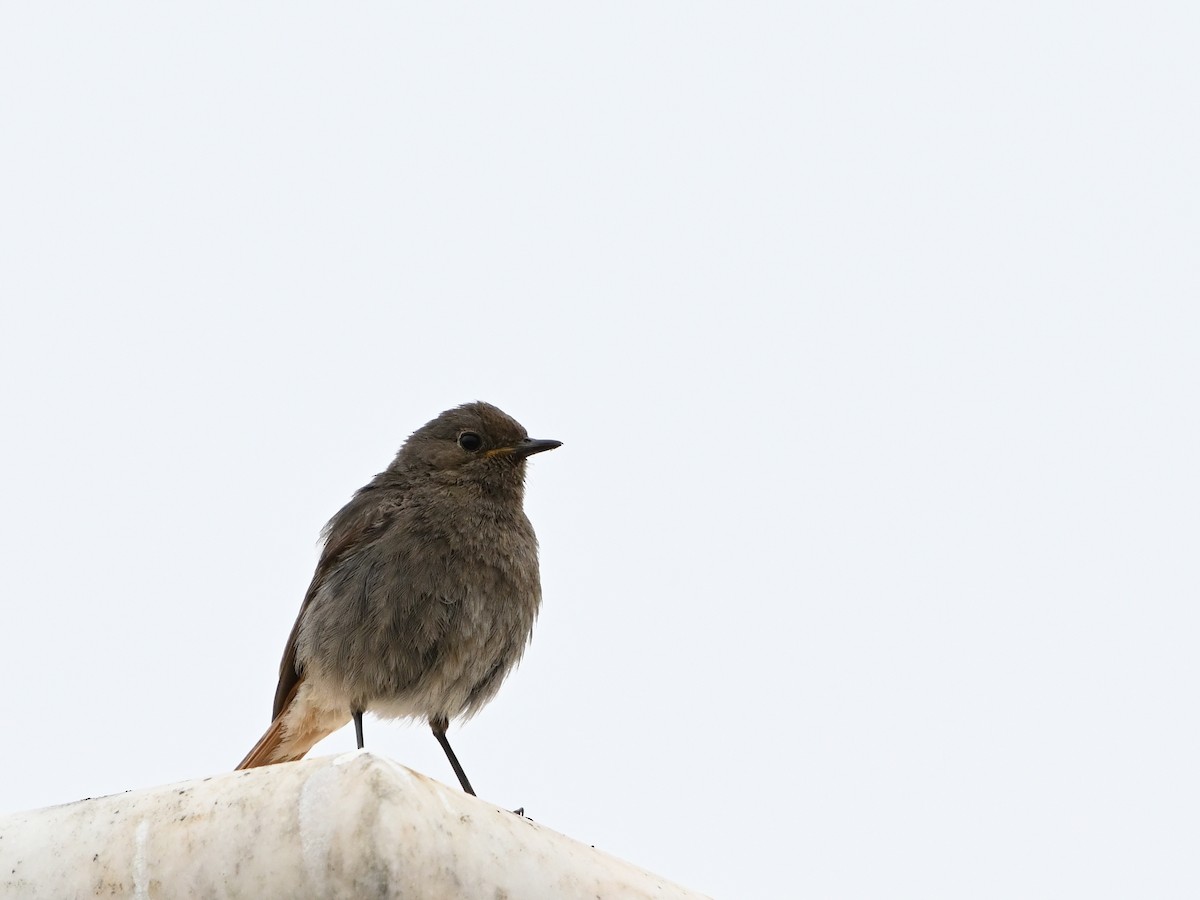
<point x="871" y="331"/>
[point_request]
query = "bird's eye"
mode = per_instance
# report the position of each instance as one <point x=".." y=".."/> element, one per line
<point x="470" y="441"/>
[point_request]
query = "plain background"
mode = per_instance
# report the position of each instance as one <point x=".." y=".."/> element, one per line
<point x="870" y="329"/>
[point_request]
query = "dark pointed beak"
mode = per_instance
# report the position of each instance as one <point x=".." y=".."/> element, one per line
<point x="531" y="446"/>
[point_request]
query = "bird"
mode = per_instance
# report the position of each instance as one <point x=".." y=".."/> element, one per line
<point x="425" y="592"/>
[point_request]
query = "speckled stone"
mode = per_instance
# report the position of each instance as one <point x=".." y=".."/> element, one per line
<point x="356" y="825"/>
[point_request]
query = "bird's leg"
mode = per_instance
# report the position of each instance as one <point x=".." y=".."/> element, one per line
<point x="439" y="731"/>
<point x="358" y="726"/>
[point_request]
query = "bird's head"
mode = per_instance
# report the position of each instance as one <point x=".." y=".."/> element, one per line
<point x="475" y="442"/>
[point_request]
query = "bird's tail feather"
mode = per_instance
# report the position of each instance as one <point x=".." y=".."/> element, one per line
<point x="300" y="725"/>
<point x="265" y="752"/>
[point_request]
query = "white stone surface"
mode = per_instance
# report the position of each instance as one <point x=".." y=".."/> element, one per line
<point x="356" y="825"/>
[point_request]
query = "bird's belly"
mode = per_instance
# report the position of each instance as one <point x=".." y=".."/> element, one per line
<point x="445" y="662"/>
<point x="460" y="670"/>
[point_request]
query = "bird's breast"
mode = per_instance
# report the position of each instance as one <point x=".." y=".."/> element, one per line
<point x="429" y="617"/>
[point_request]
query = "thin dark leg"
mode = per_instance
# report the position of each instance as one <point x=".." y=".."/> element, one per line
<point x="439" y="732"/>
<point x="358" y="727"/>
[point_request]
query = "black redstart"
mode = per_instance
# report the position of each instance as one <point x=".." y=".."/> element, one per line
<point x="425" y="594"/>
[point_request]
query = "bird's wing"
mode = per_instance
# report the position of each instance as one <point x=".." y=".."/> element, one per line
<point x="359" y="522"/>
<point x="295" y="727"/>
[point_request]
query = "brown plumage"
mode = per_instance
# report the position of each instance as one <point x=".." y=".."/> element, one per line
<point x="425" y="593"/>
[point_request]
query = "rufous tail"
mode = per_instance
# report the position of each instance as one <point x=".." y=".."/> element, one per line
<point x="266" y="751"/>
<point x="300" y="725"/>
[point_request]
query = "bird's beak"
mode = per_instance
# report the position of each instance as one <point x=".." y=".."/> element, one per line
<point x="526" y="448"/>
